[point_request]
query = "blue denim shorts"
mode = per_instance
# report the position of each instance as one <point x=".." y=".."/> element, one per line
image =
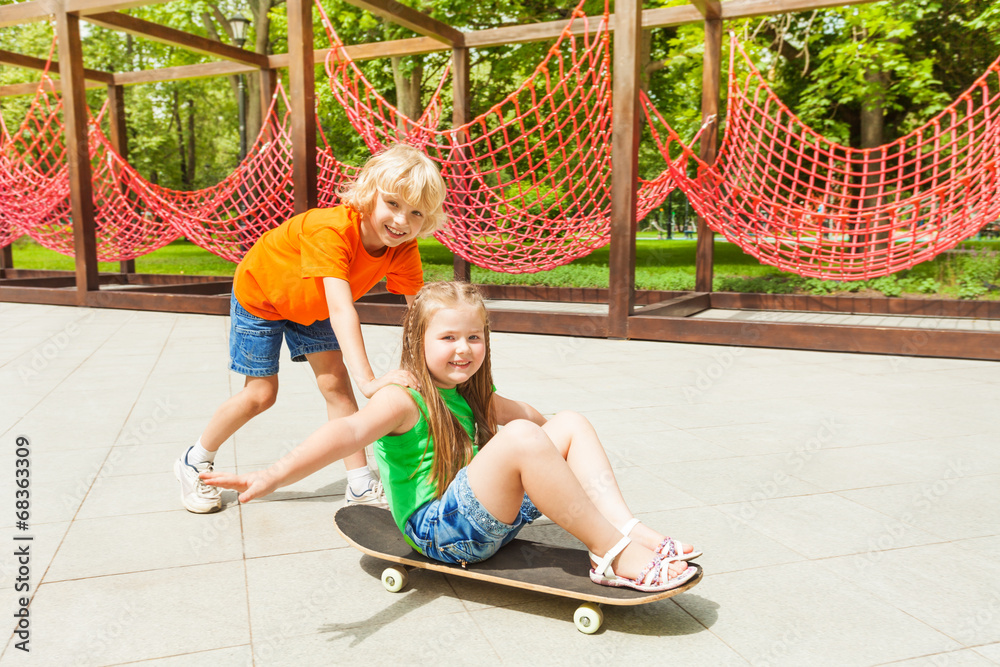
<point x="255" y="343"/>
<point x="456" y="528"/>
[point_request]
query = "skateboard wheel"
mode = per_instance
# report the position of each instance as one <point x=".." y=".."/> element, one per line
<point x="394" y="579"/>
<point x="588" y="618"/>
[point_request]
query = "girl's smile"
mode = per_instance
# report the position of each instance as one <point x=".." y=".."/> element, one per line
<point x="454" y="345"/>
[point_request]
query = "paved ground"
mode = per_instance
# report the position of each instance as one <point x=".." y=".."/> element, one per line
<point x="847" y="505"/>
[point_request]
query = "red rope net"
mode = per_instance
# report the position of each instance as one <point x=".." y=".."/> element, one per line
<point x="797" y="201"/>
<point x="135" y="217"/>
<point x="529" y="180"/>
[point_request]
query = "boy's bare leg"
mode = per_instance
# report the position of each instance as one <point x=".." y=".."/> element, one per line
<point x="335" y="385"/>
<point x="577" y="441"/>
<point x="258" y="394"/>
<point x="522" y="459"/>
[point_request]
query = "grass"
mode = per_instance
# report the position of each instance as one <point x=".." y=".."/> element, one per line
<point x="971" y="273"/>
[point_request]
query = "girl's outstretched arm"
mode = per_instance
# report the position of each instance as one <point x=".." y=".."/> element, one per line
<point x="508" y="410"/>
<point x="390" y="410"/>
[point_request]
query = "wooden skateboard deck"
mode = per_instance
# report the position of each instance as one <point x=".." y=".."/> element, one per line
<point x="523" y="563"/>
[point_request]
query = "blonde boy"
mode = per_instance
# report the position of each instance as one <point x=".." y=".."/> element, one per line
<point x="299" y="282"/>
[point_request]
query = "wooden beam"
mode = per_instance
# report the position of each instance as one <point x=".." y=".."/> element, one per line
<point x="31" y="88"/>
<point x="538" y="32"/>
<point x="681" y="306"/>
<point x="410" y="18"/>
<point x="26" y="12"/>
<point x="85" y="7"/>
<point x="30" y="62"/>
<point x="741" y="9"/>
<point x="302" y="95"/>
<point x="179" y="38"/>
<point x="625" y="132"/>
<point x="77" y="153"/>
<point x="182" y="72"/>
<point x="710" y="9"/>
<point x="710" y="87"/>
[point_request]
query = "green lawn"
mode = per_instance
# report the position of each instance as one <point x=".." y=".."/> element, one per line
<point x="974" y="272"/>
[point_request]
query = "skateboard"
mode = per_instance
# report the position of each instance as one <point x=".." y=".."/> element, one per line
<point x="534" y="566"/>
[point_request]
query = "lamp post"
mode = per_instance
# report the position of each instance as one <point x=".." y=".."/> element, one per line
<point x="240" y="25"/>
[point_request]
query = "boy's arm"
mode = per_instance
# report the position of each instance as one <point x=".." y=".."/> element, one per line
<point x="508" y="410"/>
<point x="389" y="411"/>
<point x="347" y="327"/>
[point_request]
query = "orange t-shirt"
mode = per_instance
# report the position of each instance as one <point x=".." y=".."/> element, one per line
<point x="281" y="277"/>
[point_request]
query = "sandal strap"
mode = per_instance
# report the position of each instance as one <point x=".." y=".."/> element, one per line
<point x="656" y="566"/>
<point x="672" y="552"/>
<point x="604" y="563"/>
<point x="632" y="523"/>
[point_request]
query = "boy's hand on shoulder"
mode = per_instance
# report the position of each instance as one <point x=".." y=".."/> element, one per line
<point x="250" y="485"/>
<point x="400" y="377"/>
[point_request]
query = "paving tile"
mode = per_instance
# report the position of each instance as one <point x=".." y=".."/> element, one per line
<point x="667" y="445"/>
<point x="46" y="539"/>
<point x="644" y="490"/>
<point x="736" y="479"/>
<point x="315" y="592"/>
<point x="952" y="507"/>
<point x="802" y="614"/>
<point x="897" y="463"/>
<point x="825" y="525"/>
<point x="235" y="656"/>
<point x="629" y="635"/>
<point x="948" y="588"/>
<point x="290" y="526"/>
<point x="138" y="542"/>
<point x="991" y="652"/>
<point x="729" y="544"/>
<point x="128" y="617"/>
<point x="137" y="494"/>
<point x="403" y="637"/>
<point x="961" y="658"/>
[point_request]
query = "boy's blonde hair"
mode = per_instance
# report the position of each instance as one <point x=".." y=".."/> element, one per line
<point x="452" y="447"/>
<point x="403" y="171"/>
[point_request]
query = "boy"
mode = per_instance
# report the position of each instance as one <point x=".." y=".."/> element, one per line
<point x="299" y="282"/>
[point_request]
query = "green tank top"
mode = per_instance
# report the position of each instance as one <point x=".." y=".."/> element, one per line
<point x="405" y="466"/>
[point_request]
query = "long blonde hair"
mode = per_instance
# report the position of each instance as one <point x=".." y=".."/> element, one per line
<point x="403" y="171"/>
<point x="452" y="446"/>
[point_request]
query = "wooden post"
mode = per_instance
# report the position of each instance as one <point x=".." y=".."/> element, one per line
<point x="302" y="97"/>
<point x="624" y="165"/>
<point x="460" y="116"/>
<point x="119" y="141"/>
<point x="710" y="87"/>
<point x="6" y="259"/>
<point x="77" y="153"/>
<point x="268" y="84"/>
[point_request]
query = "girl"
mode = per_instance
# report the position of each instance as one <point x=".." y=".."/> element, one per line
<point x="455" y="502"/>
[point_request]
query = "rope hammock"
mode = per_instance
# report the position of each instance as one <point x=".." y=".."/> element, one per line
<point x="529" y="180"/>
<point x="802" y="203"/>
<point x="133" y="216"/>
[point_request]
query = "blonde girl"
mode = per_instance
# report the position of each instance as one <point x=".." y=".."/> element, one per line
<point x="459" y="487"/>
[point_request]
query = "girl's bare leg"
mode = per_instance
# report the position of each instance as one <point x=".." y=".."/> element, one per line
<point x="257" y="395"/>
<point x="335" y="385"/>
<point x="522" y="459"/>
<point x="578" y="443"/>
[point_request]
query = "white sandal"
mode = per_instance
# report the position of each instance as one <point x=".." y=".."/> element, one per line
<point x="667" y="548"/>
<point x="603" y="575"/>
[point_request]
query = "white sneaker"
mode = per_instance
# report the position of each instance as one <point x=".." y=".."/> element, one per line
<point x="197" y="496"/>
<point x="374" y="495"/>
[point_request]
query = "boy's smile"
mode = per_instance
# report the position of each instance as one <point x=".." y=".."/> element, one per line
<point x="392" y="222"/>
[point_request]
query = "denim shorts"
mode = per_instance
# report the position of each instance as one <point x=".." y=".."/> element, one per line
<point x="457" y="529"/>
<point x="255" y="343"/>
